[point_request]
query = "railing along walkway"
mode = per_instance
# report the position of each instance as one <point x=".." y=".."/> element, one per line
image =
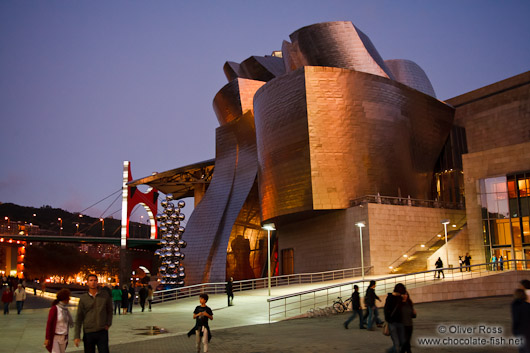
<point x="295" y="304"/>
<point x="259" y="283"/>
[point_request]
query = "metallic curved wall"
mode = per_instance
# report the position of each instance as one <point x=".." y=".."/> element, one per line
<point x="333" y="44"/>
<point x="411" y="74"/>
<point x="332" y="123"/>
<point x="235" y="99"/>
<point x="210" y="225"/>
<point x="328" y="135"/>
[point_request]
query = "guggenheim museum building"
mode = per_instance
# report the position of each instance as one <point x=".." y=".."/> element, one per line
<point x="325" y="139"/>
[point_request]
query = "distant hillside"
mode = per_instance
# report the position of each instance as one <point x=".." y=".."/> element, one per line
<point x="47" y="219"/>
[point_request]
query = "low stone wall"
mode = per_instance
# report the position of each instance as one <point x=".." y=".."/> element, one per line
<point x="502" y="283"/>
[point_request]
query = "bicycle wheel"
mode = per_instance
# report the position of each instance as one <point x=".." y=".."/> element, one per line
<point x="347" y="304"/>
<point x="338" y="307"/>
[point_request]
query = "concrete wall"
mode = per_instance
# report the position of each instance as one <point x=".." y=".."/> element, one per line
<point x="499" y="284"/>
<point x="395" y="229"/>
<point x="331" y="241"/>
<point x="457" y="246"/>
<point x="497" y="123"/>
<point x="326" y="242"/>
<point x="486" y="164"/>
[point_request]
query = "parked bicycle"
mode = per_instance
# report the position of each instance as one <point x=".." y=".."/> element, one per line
<point x="341" y="306"/>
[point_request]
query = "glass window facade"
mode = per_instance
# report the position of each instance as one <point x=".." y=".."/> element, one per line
<point x="505" y="203"/>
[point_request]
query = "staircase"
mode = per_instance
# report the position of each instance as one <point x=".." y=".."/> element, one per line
<point x="417" y="260"/>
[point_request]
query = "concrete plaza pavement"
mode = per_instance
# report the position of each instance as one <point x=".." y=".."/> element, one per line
<point x="244" y="327"/>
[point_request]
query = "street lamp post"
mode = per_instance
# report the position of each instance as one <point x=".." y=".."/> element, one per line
<point x="77" y="228"/>
<point x="60" y="226"/>
<point x="445" y="222"/>
<point x="361" y="225"/>
<point x="269" y="227"/>
<point x="102" y="226"/>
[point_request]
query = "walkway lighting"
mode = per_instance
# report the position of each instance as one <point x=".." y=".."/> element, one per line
<point x="269" y="227"/>
<point x="445" y="222"/>
<point x="361" y="225"/>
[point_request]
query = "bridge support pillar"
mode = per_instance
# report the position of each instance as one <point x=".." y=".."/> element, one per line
<point x="125" y="266"/>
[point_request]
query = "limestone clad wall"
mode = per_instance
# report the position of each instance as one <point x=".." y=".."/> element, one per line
<point x="325" y="242"/>
<point x="487" y="164"/>
<point x="488" y="286"/>
<point x="496" y="115"/>
<point x="331" y="241"/>
<point x="458" y="246"/>
<point x="395" y="229"/>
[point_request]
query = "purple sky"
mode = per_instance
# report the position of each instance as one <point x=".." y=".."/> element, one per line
<point x="85" y="85"/>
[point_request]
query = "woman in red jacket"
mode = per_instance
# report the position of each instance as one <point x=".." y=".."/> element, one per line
<point x="7" y="298"/>
<point x="59" y="321"/>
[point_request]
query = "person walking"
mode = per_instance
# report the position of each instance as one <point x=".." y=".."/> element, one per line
<point x="201" y="330"/>
<point x="124" y="299"/>
<point x="149" y="295"/>
<point x="460" y="262"/>
<point x="116" y="298"/>
<point x="467" y="262"/>
<point x="94" y="315"/>
<point x="20" y="297"/>
<point x="369" y="301"/>
<point x="407" y="314"/>
<point x="439" y="265"/>
<point x="230" y="291"/>
<point x="59" y="323"/>
<point x="7" y="298"/>
<point x="142" y="293"/>
<point x="356" y="308"/>
<point x="393" y="316"/>
<point x="521" y="319"/>
<point x="131" y="296"/>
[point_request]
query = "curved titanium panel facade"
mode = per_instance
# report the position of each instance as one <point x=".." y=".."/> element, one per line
<point x="283" y="145"/>
<point x="328" y="135"/>
<point x="333" y="122"/>
<point x="411" y="74"/>
<point x="235" y="99"/>
<point x="210" y="225"/>
<point x="334" y="44"/>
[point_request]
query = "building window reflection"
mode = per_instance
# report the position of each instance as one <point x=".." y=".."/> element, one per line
<point x="505" y="203"/>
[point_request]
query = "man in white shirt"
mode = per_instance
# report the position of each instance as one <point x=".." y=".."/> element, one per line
<point x="20" y="296"/>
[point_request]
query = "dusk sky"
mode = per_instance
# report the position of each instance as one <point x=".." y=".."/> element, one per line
<point x="85" y="85"/>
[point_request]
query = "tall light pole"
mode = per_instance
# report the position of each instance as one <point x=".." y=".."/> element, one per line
<point x="269" y="227"/>
<point x="102" y="226"/>
<point x="61" y="226"/>
<point x="361" y="225"/>
<point x="445" y="222"/>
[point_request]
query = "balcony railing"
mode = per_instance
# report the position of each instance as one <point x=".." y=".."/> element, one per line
<point x="405" y="201"/>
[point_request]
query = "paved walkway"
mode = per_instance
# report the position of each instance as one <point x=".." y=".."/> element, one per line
<point x="242" y="327"/>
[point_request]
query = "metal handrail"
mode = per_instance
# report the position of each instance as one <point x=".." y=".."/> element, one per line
<point x="298" y="303"/>
<point x="405" y="201"/>
<point x="258" y="283"/>
<point x="428" y="244"/>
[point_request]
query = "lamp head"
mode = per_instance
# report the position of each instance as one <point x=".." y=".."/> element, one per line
<point x="446" y="221"/>
<point x="360" y="224"/>
<point x="269" y="226"/>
